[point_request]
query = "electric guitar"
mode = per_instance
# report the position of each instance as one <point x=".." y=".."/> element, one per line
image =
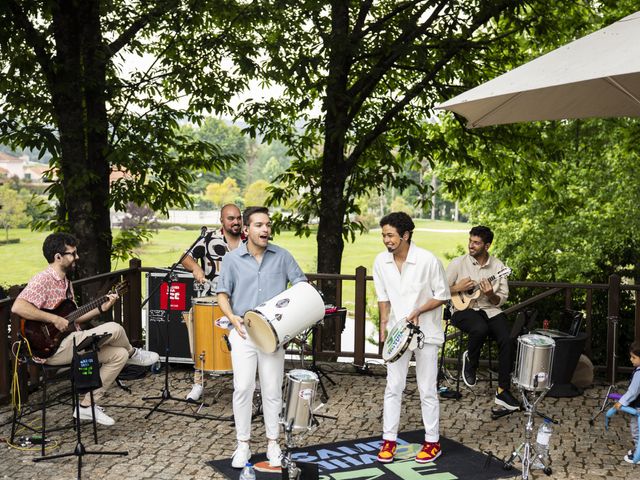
<point x="462" y="300"/>
<point x="45" y="338"/>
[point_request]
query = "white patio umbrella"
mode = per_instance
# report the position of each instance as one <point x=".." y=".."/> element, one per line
<point x="595" y="76"/>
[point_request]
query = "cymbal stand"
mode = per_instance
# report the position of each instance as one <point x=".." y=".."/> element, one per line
<point x="527" y="451"/>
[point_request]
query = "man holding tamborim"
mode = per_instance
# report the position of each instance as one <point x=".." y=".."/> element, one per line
<point x="252" y="274"/>
<point x="411" y="287"/>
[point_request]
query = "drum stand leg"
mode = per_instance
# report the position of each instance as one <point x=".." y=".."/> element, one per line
<point x="527" y="452"/>
<point x="317" y="369"/>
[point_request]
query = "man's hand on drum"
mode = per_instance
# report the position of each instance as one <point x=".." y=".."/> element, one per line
<point x="238" y="323"/>
<point x="198" y="274"/>
<point x="413" y="316"/>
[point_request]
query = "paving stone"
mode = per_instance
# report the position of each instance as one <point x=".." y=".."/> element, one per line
<point x="166" y="446"/>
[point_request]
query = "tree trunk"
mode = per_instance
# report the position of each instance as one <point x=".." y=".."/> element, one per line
<point x="334" y="168"/>
<point x="82" y="124"/>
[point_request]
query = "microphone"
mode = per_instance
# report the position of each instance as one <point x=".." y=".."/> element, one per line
<point x="203" y="231"/>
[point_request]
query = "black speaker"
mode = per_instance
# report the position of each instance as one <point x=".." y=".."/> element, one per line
<point x="181" y="296"/>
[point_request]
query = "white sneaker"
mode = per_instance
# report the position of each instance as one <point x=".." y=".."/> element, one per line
<point x="241" y="456"/>
<point x="195" y="393"/>
<point x="101" y="417"/>
<point x="274" y="454"/>
<point x="143" y="358"/>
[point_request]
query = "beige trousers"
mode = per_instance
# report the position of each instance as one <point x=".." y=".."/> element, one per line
<point x="113" y="354"/>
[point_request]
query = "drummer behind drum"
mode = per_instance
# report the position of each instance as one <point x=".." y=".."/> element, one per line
<point x="484" y="316"/>
<point x="410" y="284"/>
<point x="209" y="252"/>
<point x="252" y="274"/>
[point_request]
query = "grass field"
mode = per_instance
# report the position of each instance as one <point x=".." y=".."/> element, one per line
<point x="22" y="260"/>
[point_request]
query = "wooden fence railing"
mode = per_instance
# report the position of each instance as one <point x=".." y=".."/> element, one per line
<point x="128" y="312"/>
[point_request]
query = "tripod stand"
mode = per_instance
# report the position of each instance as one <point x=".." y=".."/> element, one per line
<point x="93" y="342"/>
<point x="315" y="331"/>
<point x="165" y="395"/>
<point x="527" y="451"/>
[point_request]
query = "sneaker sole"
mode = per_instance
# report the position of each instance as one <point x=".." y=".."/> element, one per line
<point x="431" y="459"/>
<point x="504" y="404"/>
<point x="385" y="460"/>
<point x="464" y="378"/>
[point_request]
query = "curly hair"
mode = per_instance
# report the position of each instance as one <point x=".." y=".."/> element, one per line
<point x="400" y="221"/>
<point x="57" y="243"/>
<point x="483" y="232"/>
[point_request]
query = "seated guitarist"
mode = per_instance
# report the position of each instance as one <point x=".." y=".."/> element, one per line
<point x="48" y="290"/>
<point x="483" y="317"/>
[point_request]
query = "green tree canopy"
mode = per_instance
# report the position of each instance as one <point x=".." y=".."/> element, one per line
<point x="12" y="209"/>
<point x="223" y="193"/>
<point x="256" y="193"/>
<point x="68" y="87"/>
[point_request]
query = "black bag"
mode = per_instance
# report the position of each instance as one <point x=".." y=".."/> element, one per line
<point x="86" y="371"/>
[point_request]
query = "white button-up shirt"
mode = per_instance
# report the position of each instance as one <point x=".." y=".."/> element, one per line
<point x="422" y="278"/>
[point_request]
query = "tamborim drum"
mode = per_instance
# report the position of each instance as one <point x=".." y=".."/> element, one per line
<point x="534" y="362"/>
<point x="402" y="335"/>
<point x="278" y="320"/>
<point x="210" y="348"/>
<point x="300" y="391"/>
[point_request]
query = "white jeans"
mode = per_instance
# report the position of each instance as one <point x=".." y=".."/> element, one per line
<point x="246" y="358"/>
<point x="427" y="377"/>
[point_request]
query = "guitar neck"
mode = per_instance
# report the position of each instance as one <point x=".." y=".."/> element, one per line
<point x="76" y="314"/>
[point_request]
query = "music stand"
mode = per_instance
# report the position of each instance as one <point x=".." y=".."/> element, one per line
<point x="93" y="343"/>
<point x="165" y="394"/>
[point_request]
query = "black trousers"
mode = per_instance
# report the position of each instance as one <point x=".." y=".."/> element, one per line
<point x="479" y="326"/>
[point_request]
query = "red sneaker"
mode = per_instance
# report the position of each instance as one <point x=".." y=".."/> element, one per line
<point x="387" y="452"/>
<point x="430" y="451"/>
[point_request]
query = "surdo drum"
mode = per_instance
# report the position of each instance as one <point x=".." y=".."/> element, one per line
<point x="276" y="321"/>
<point x="300" y="390"/>
<point x="207" y="329"/>
<point x="534" y="362"/>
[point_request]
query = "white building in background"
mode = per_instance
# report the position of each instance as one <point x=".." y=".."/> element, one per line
<point x="21" y="167"/>
<point x="193" y="217"/>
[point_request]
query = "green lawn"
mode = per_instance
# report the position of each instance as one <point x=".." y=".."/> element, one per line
<point x="21" y="261"/>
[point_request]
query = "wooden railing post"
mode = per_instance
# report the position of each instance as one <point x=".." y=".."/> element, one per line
<point x="613" y="319"/>
<point x="360" y="316"/>
<point x="133" y="300"/>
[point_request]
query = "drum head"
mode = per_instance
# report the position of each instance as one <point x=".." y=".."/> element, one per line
<point x="535" y="340"/>
<point x="208" y="300"/>
<point x="396" y="342"/>
<point x="302" y="375"/>
<point x="260" y="331"/>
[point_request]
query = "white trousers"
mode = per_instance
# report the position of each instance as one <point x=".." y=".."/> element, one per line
<point x="427" y="377"/>
<point x="246" y="358"/>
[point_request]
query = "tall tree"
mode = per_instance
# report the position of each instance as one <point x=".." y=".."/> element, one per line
<point x="66" y="87"/>
<point x="360" y="79"/>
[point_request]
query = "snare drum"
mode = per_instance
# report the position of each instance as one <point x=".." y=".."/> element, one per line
<point x="399" y="338"/>
<point x="275" y="322"/>
<point x="534" y="362"/>
<point x="210" y="348"/>
<point x="300" y="391"/>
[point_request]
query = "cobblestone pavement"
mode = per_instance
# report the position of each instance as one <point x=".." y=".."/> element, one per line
<point x="168" y="446"/>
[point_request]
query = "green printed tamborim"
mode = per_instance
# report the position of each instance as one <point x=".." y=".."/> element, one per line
<point x="399" y="338"/>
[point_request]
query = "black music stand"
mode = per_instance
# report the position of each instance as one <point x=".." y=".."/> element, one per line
<point x="165" y="395"/>
<point x="90" y="343"/>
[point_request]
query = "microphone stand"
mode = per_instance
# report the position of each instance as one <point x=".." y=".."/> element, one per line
<point x="165" y="395"/>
